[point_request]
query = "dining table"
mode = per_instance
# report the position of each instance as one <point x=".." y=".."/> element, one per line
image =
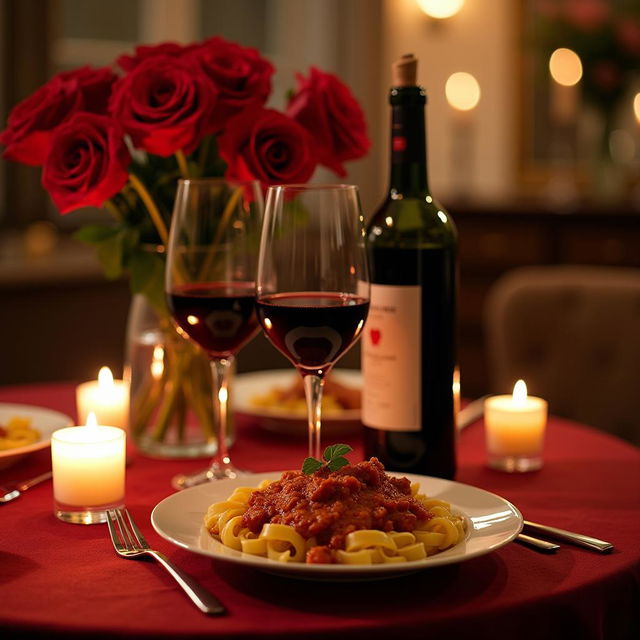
<point x="62" y="580"/>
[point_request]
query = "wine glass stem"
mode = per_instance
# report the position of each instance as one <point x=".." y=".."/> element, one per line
<point x="220" y="376"/>
<point x="313" y="392"/>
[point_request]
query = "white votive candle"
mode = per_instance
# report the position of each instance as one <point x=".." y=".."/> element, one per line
<point x="88" y="466"/>
<point x="106" y="397"/>
<point x="514" y="427"/>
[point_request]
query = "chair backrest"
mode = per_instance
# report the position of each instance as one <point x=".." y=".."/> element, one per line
<point x="573" y="334"/>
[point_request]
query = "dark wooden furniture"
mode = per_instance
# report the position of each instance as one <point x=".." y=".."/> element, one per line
<point x="495" y="240"/>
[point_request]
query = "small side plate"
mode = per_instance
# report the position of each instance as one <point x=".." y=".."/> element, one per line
<point x="46" y="421"/>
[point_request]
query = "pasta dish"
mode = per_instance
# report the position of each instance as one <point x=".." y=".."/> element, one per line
<point x="357" y="514"/>
<point x="17" y="432"/>
<point x="336" y="398"/>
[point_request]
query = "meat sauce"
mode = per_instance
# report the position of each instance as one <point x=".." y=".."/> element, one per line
<point x="328" y="505"/>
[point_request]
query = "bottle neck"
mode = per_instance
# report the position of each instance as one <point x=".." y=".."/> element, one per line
<point x="408" y="142"/>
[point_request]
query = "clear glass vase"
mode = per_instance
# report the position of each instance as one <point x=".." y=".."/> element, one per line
<point x="171" y="411"/>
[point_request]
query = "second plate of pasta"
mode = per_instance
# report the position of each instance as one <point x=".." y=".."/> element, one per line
<point x="490" y="522"/>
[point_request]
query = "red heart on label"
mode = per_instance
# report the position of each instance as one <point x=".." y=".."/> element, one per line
<point x="375" y="335"/>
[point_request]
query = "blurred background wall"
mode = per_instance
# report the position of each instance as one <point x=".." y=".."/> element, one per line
<point x="520" y="169"/>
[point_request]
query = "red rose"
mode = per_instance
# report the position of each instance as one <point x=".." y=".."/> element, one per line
<point x="262" y="144"/>
<point x="241" y="75"/>
<point x="95" y="86"/>
<point x="172" y="49"/>
<point x="87" y="163"/>
<point x="327" y="109"/>
<point x="31" y="122"/>
<point x="165" y="104"/>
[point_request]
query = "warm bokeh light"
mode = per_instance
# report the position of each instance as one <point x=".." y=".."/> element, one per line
<point x="565" y="67"/>
<point x="440" y="8"/>
<point x="157" y="364"/>
<point x="636" y="106"/>
<point x="462" y="91"/>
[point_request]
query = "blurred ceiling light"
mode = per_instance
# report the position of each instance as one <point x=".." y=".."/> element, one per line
<point x="462" y="91"/>
<point x="565" y="67"/>
<point x="636" y="106"/>
<point x="440" y="8"/>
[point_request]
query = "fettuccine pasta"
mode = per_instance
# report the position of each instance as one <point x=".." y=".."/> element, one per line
<point x="253" y="521"/>
<point x="17" y="432"/>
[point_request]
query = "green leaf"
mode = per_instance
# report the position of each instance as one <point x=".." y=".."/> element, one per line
<point x="337" y="463"/>
<point x="147" y="277"/>
<point x="310" y="465"/>
<point x="110" y="252"/>
<point x="95" y="233"/>
<point x="336" y="450"/>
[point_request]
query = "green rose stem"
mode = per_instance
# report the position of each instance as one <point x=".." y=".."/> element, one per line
<point x="203" y="153"/>
<point x="198" y="391"/>
<point x="168" y="405"/>
<point x="113" y="210"/>
<point x="145" y="401"/>
<point x="145" y="196"/>
<point x="182" y="163"/>
<point x="224" y="220"/>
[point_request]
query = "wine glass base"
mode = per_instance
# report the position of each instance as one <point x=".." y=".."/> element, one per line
<point x="214" y="472"/>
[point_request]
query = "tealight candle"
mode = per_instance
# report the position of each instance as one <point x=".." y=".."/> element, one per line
<point x="514" y="429"/>
<point x="88" y="466"/>
<point x="106" y="397"/>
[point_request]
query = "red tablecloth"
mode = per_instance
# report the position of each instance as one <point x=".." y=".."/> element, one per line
<point x="65" y="580"/>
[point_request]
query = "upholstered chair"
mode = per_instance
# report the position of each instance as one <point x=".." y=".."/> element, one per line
<point x="573" y="334"/>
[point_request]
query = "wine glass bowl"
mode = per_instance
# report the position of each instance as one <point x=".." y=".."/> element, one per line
<point x="312" y="284"/>
<point x="210" y="285"/>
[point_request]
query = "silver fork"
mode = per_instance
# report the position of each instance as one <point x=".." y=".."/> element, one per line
<point x="130" y="543"/>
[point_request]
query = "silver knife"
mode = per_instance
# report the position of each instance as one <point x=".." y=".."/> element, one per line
<point x="472" y="412"/>
<point x="594" y="544"/>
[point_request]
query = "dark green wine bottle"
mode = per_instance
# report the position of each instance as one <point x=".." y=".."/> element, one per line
<point x="409" y="344"/>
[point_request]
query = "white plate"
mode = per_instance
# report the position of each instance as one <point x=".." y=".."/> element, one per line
<point x="248" y="385"/>
<point x="491" y="523"/>
<point x="46" y="421"/>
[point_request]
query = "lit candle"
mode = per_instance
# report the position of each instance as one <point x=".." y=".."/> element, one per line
<point x="515" y="426"/>
<point x="88" y="466"/>
<point x="106" y="397"/>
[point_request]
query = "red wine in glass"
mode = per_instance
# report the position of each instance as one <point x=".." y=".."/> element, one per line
<point x="312" y="329"/>
<point x="219" y="316"/>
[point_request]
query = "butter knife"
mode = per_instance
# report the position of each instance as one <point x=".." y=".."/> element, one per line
<point x="472" y="412"/>
<point x="537" y="544"/>
<point x="579" y="539"/>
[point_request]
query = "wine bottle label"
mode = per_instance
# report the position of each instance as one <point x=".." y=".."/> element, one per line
<point x="391" y="348"/>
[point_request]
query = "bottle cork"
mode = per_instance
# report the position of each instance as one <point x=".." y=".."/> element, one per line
<point x="404" y="72"/>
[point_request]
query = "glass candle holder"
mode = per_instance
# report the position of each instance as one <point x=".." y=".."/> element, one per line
<point x="514" y="432"/>
<point x="88" y="472"/>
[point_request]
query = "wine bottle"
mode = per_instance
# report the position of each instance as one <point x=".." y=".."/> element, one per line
<point x="409" y="344"/>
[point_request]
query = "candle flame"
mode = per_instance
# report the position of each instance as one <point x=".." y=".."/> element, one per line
<point x="92" y="421"/>
<point x="223" y="394"/>
<point x="520" y="393"/>
<point x="105" y="378"/>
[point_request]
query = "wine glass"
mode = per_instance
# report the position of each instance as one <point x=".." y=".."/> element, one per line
<point x="313" y="283"/>
<point x="210" y="286"/>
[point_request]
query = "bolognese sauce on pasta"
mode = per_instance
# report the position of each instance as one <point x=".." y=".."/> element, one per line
<point x="356" y="515"/>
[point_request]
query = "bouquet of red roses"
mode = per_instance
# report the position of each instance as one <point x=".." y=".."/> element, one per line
<point x="121" y="138"/>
